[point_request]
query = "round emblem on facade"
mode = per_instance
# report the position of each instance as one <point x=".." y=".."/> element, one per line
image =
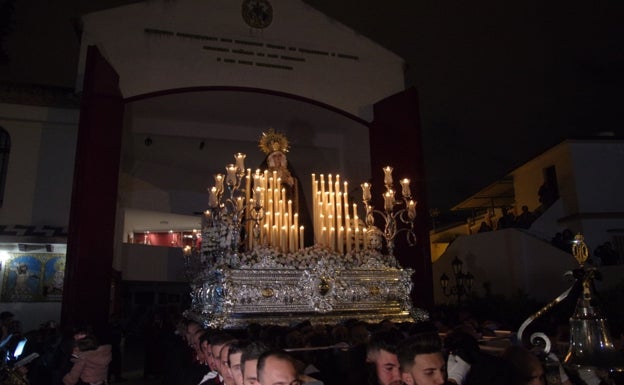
<point x="257" y="13"/>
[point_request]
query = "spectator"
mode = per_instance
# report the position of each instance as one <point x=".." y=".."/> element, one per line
<point x="90" y="362"/>
<point x="547" y="195"/>
<point x="608" y="256"/>
<point x="525" y="219"/>
<point x="484" y="227"/>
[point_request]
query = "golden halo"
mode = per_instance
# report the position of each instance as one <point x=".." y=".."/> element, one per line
<point x="272" y="141"/>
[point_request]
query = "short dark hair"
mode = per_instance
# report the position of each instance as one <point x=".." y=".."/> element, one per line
<point x="422" y="343"/>
<point x="278" y="354"/>
<point x="219" y="338"/>
<point x="205" y="337"/>
<point x="87" y="343"/>
<point x="238" y="346"/>
<point x="384" y="340"/>
<point x="253" y="351"/>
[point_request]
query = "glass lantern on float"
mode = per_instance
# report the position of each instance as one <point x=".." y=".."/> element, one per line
<point x="591" y="347"/>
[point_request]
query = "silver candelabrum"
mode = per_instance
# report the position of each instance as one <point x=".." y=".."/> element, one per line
<point x="395" y="211"/>
<point x="226" y="205"/>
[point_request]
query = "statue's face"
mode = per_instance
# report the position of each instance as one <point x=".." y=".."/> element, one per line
<point x="277" y="159"/>
<point x="375" y="240"/>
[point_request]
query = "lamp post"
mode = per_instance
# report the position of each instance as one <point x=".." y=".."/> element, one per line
<point x="463" y="281"/>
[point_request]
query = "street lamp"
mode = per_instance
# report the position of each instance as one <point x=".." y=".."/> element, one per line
<point x="463" y="281"/>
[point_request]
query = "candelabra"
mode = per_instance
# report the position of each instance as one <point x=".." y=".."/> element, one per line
<point x="463" y="281"/>
<point x="226" y="205"/>
<point x="391" y="216"/>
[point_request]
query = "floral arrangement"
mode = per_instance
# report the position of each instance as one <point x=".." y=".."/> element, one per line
<point x="270" y="258"/>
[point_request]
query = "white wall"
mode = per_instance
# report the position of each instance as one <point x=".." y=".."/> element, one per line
<point x="148" y="62"/>
<point x="41" y="164"/>
<point x="511" y="260"/>
<point x="152" y="263"/>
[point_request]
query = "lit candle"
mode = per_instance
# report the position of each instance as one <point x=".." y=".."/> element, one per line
<point x="389" y="200"/>
<point x="219" y="182"/>
<point x="411" y="209"/>
<point x="340" y="239"/>
<point x="301" y="243"/>
<point x="239" y="203"/>
<point x="319" y="222"/>
<point x="269" y="222"/>
<point x="332" y="206"/>
<point x="283" y="200"/>
<point x="248" y="185"/>
<point x="337" y="185"/>
<point x="296" y="224"/>
<point x="387" y="175"/>
<point x="240" y="161"/>
<point x="291" y="238"/>
<point x="275" y="237"/>
<point x="405" y="188"/>
<point x="332" y="238"/>
<point x="258" y="196"/>
<point x="366" y="194"/>
<point x="349" y="235"/>
<point x="230" y="179"/>
<point x="212" y="198"/>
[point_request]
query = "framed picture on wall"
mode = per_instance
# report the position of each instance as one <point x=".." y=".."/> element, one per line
<point x="33" y="277"/>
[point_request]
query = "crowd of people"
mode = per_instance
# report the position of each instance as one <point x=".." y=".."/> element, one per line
<point x="351" y="352"/>
<point x="355" y="352"/>
<point x="49" y="356"/>
<point x="509" y="220"/>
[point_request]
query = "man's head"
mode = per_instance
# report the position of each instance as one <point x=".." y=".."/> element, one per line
<point x="206" y="351"/>
<point x="196" y="344"/>
<point x="217" y="341"/>
<point x="526" y="368"/>
<point x="421" y="359"/>
<point x="235" y="354"/>
<point x="249" y="362"/>
<point x="381" y="354"/>
<point x="225" y="364"/>
<point x="191" y="328"/>
<point x="276" y="367"/>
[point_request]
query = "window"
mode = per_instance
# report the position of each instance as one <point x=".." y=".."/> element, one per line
<point x="5" y="150"/>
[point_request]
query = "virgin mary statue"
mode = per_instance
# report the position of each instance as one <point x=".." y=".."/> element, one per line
<point x="275" y="145"/>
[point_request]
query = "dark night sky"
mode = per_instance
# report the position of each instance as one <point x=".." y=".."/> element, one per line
<point x="499" y="81"/>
